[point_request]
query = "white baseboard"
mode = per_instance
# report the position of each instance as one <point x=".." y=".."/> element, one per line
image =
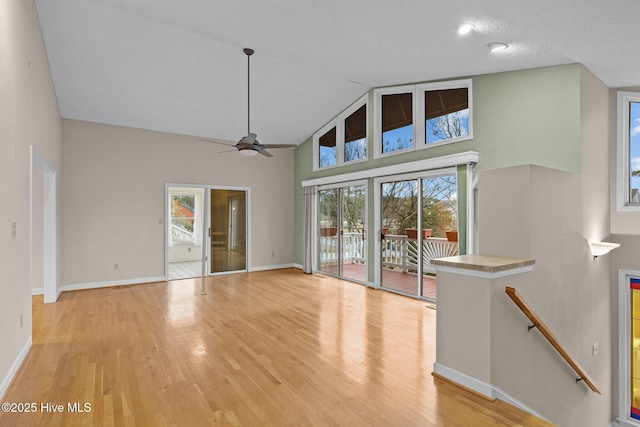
<point x="14" y="368"/>
<point x="111" y="283"/>
<point x="488" y="390"/>
<point x="271" y="267"/>
<point x="464" y="380"/>
<point x="499" y="394"/>
<point x="37" y="291"/>
<point x="298" y="266"/>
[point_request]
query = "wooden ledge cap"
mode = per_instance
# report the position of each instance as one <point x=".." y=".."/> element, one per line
<point x="484" y="263"/>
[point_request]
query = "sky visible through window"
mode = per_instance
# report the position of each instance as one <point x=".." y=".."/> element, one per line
<point x="634" y="152"/>
<point x="402" y="138"/>
<point x="397" y="139"/>
<point x="448" y="126"/>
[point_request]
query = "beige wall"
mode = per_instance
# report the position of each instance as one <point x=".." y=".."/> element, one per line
<point x="37" y="229"/>
<point x="113" y="201"/>
<point x="28" y="117"/>
<point x="550" y="215"/>
<point x="621" y="222"/>
<point x="567" y="288"/>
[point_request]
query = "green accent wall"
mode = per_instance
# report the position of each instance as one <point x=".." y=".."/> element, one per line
<point x="519" y="117"/>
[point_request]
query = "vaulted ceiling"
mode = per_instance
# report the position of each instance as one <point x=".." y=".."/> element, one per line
<point x="178" y="65"/>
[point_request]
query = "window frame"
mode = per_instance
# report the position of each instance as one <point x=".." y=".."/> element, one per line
<point x="421" y="141"/>
<point x="338" y="123"/>
<point x="623" y="202"/>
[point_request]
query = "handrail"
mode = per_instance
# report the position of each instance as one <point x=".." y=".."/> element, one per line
<point x="544" y="330"/>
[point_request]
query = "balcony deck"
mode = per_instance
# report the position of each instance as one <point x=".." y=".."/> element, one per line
<point x="391" y="279"/>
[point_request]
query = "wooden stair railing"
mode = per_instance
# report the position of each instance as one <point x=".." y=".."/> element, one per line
<point x="544" y="330"/>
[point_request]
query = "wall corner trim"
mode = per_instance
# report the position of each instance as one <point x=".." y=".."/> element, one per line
<point x="14" y="368"/>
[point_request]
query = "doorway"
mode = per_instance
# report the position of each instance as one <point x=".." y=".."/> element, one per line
<point x="228" y="230"/>
<point x="207" y="230"/>
<point x="43" y="263"/>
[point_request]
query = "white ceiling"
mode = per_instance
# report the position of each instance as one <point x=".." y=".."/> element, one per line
<point x="178" y="66"/>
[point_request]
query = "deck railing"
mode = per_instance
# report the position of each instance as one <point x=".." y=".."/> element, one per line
<point x="398" y="251"/>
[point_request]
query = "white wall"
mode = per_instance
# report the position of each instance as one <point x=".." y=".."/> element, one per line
<point x="114" y="207"/>
<point x="29" y="116"/>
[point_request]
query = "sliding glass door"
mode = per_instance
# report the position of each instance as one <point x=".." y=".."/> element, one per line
<point x="418" y="222"/>
<point x="228" y="231"/>
<point x="342" y="231"/>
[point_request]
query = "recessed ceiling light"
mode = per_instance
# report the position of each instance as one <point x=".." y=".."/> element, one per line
<point x="465" y="28"/>
<point x="496" y="46"/>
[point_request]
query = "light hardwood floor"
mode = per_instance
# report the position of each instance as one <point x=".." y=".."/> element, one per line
<point x="275" y="348"/>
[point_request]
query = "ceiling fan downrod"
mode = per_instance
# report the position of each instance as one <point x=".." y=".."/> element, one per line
<point x="248" y="52"/>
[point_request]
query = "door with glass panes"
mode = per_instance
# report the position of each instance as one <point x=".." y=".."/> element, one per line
<point x="342" y="232"/>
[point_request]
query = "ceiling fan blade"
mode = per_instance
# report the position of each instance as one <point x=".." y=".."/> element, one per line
<point x="265" y="153"/>
<point x="279" y="145"/>
<point x="227" y="151"/>
<point x="219" y="141"/>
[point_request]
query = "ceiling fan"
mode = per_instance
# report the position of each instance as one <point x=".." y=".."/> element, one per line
<point x="248" y="145"/>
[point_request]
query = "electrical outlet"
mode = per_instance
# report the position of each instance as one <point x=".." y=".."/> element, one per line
<point x="116" y="266"/>
<point x="595" y="348"/>
<point x="273" y="254"/>
<point x="14" y="231"/>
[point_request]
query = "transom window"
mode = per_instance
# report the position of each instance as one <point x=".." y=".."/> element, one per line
<point x="355" y="135"/>
<point x="422" y="116"/>
<point x="344" y="139"/>
<point x="397" y="122"/>
<point x="328" y="149"/>
<point x="446" y="114"/>
<point x="628" y="170"/>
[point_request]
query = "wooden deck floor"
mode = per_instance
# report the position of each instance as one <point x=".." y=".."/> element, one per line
<point x="272" y="348"/>
<point x="391" y="279"/>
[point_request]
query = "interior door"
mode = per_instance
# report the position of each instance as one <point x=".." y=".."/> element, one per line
<point x="185" y="213"/>
<point x="228" y="230"/>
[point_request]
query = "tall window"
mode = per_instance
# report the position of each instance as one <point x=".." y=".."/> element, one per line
<point x="628" y="169"/>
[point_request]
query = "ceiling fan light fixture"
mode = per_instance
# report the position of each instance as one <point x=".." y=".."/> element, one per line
<point x="497" y="46"/>
<point x="466" y="28"/>
<point x="248" y="152"/>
